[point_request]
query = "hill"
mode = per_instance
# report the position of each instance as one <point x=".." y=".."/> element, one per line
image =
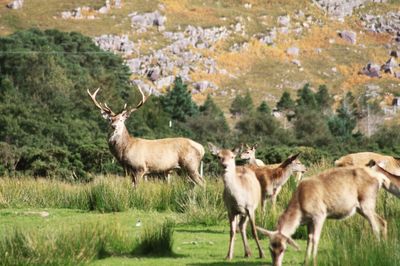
<point x="228" y="47"/>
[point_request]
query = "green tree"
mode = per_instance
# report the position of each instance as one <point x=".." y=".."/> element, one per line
<point x="242" y="105"/>
<point x="178" y="102"/>
<point x="306" y="98"/>
<point x="285" y="103"/>
<point x="324" y="99"/>
<point x="264" y="108"/>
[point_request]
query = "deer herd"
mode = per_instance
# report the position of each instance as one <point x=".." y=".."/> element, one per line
<point x="349" y="187"/>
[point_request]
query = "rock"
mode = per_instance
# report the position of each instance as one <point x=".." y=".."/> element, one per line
<point x="284" y="20"/>
<point x="349" y="36"/>
<point x="247" y="6"/>
<point x="296" y="62"/>
<point x="154" y="74"/>
<point x="293" y="51"/>
<point x="389" y="66"/>
<point x="164" y="82"/>
<point x="371" y="70"/>
<point x="397" y="74"/>
<point x="17" y="4"/>
<point x="395" y="54"/>
<point x="146" y="20"/>
<point x="341" y="8"/>
<point x="115" y="43"/>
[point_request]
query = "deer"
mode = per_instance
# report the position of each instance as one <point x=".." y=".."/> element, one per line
<point x="394" y="187"/>
<point x="249" y="153"/>
<point x="140" y="156"/>
<point x="242" y="194"/>
<point x="333" y="194"/>
<point x="272" y="179"/>
<point x="363" y="158"/>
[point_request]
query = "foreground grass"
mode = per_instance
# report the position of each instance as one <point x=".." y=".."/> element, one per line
<point x="53" y="223"/>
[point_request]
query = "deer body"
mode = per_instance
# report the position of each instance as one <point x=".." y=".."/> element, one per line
<point x="272" y="179"/>
<point x="241" y="196"/>
<point x="142" y="156"/>
<point x="334" y="194"/>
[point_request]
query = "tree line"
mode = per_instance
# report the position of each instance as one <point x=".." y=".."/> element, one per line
<point x="48" y="126"/>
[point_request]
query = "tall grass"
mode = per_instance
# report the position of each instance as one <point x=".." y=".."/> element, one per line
<point x="66" y="246"/>
<point x="156" y="240"/>
<point x="84" y="243"/>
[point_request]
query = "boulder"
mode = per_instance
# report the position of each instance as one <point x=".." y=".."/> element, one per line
<point x="293" y="51"/>
<point x="371" y="70"/>
<point x="17" y="4"/>
<point x="349" y="36"/>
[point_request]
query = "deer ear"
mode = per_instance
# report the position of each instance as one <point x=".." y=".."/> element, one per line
<point x="289" y="160"/>
<point x="255" y="146"/>
<point x="236" y="150"/>
<point x="266" y="232"/>
<point x="213" y="149"/>
<point x="105" y="115"/>
<point x="371" y="163"/>
<point x="293" y="243"/>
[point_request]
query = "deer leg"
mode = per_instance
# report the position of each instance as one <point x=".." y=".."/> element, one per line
<point x="242" y="227"/>
<point x="275" y="196"/>
<point x="318" y="224"/>
<point x="310" y="231"/>
<point x="383" y="225"/>
<point x="367" y="210"/>
<point x="232" y="222"/>
<point x="263" y="201"/>
<point x="254" y="231"/>
<point x="136" y="177"/>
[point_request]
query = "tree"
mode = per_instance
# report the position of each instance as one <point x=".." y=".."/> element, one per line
<point x="178" y="102"/>
<point x="306" y="98"/>
<point x="343" y="123"/>
<point x="210" y="124"/>
<point x="324" y="99"/>
<point x="264" y="108"/>
<point x="241" y="105"/>
<point x="285" y="103"/>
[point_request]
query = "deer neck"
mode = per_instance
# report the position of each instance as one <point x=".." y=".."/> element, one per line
<point x="290" y="220"/>
<point x="230" y="181"/>
<point x="286" y="173"/>
<point x="253" y="160"/>
<point x="119" y="139"/>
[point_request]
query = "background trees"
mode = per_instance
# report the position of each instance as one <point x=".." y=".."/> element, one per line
<point x="49" y="127"/>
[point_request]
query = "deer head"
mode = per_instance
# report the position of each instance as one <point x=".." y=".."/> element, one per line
<point x="116" y="120"/>
<point x="248" y="152"/>
<point x="226" y="157"/>
<point x="277" y="244"/>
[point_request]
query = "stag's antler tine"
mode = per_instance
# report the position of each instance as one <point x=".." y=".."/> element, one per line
<point x="104" y="108"/>
<point x="142" y="101"/>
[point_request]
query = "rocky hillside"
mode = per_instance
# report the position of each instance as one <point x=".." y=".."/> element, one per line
<point x="228" y="47"/>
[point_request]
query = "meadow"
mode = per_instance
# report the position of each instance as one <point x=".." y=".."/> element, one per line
<point x="49" y="222"/>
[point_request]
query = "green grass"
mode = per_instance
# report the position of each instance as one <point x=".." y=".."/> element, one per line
<point x="181" y="225"/>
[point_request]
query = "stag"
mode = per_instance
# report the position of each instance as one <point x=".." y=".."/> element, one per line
<point x="143" y="156"/>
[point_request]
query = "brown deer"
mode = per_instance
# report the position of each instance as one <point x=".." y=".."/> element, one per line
<point x="394" y="187"/>
<point x="272" y="179"/>
<point x="241" y="196"/>
<point x="333" y="194"/>
<point x="142" y="156"/>
<point x="363" y="158"/>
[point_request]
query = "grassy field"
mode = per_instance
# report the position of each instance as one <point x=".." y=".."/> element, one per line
<point x="52" y="223"/>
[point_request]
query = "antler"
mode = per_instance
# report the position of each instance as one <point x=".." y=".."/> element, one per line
<point x="104" y="108"/>
<point x="142" y="101"/>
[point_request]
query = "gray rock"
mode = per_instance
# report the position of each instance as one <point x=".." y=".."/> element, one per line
<point x="164" y="82"/>
<point x="371" y="70"/>
<point x="293" y="51"/>
<point x="395" y="54"/>
<point x="284" y="20"/>
<point x="389" y="66"/>
<point x="349" y="36"/>
<point x="17" y="4"/>
<point x="341" y="8"/>
<point x="397" y="74"/>
<point x="143" y="21"/>
<point x="115" y="43"/>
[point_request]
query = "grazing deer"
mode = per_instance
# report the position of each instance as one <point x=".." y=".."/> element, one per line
<point x="141" y="156"/>
<point x="242" y="194"/>
<point x="363" y="158"/>
<point x="272" y="179"/>
<point x="394" y="187"/>
<point x="336" y="194"/>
